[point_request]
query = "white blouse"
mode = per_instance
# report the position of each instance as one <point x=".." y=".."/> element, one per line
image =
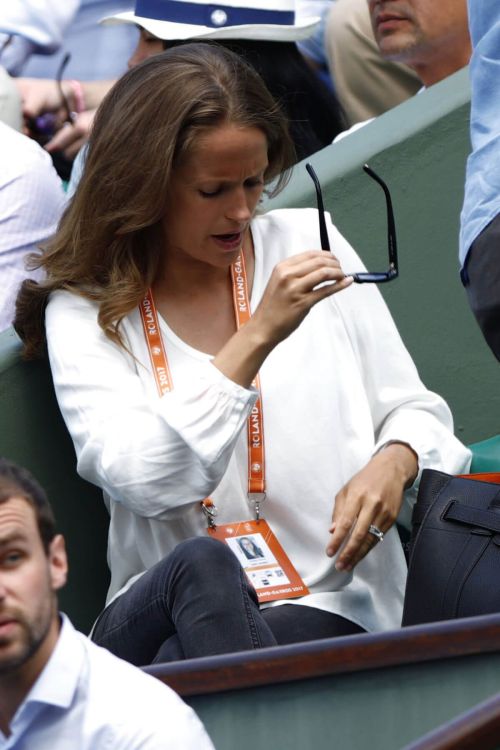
<point x="336" y="390"/>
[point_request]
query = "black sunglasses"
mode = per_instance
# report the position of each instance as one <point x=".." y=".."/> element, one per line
<point x="69" y="115"/>
<point x="366" y="277"/>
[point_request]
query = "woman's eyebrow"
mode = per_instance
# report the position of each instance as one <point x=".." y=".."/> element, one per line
<point x="225" y="181"/>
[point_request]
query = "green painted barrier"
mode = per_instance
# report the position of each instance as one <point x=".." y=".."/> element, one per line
<point x="378" y="691"/>
<point x="379" y="710"/>
<point x="420" y="149"/>
<point x="34" y="435"/>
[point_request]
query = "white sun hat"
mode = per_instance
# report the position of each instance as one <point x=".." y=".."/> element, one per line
<point x="266" y="20"/>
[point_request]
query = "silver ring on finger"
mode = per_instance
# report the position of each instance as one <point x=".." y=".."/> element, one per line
<point x="375" y="531"/>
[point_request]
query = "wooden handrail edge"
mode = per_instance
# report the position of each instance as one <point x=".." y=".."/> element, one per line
<point x="331" y="656"/>
<point x="479" y="724"/>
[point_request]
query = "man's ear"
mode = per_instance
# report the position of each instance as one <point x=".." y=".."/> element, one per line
<point x="58" y="562"/>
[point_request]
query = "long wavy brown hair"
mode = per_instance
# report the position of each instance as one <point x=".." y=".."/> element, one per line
<point x="110" y="239"/>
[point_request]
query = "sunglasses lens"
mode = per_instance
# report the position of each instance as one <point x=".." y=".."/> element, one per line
<point x="374" y="278"/>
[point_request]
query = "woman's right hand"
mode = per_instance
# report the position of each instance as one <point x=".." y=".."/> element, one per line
<point x="293" y="290"/>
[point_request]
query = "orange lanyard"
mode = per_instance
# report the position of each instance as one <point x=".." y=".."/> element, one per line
<point x="255" y="422"/>
<point x="164" y="383"/>
<point x="154" y="341"/>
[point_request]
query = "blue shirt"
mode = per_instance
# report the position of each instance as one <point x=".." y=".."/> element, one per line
<point x="97" y="52"/>
<point x="314" y="45"/>
<point x="482" y="187"/>
<point x="86" y="698"/>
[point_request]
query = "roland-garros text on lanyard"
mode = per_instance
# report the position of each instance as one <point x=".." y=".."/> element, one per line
<point x="164" y="383"/>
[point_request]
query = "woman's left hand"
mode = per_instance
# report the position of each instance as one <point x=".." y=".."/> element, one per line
<point x="372" y="497"/>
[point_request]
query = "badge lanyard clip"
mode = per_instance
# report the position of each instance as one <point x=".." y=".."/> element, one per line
<point x="256" y="499"/>
<point x="209" y="511"/>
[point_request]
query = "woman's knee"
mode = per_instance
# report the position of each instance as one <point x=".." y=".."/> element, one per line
<point x="205" y="556"/>
<point x="205" y="571"/>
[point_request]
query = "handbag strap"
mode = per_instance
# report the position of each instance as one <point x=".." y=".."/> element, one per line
<point x="471" y="516"/>
<point x="434" y="482"/>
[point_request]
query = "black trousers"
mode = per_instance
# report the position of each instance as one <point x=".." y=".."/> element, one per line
<point x="198" y="602"/>
<point x="481" y="278"/>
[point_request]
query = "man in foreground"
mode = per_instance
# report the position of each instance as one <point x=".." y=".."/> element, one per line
<point x="57" y="689"/>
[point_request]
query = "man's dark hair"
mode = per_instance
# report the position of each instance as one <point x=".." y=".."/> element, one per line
<point x="16" y="481"/>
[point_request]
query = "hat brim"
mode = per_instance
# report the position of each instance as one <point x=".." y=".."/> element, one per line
<point x="166" y="30"/>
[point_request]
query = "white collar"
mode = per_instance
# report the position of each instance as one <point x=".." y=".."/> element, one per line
<point x="58" y="680"/>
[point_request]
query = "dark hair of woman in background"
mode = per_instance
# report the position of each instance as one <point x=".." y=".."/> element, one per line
<point x="314" y="114"/>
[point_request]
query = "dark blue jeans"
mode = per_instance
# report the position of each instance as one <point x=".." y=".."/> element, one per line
<point x="198" y="602"/>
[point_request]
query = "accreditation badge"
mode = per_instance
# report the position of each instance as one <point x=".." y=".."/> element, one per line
<point x="265" y="562"/>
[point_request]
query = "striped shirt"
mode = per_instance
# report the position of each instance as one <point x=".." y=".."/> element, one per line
<point x="31" y="202"/>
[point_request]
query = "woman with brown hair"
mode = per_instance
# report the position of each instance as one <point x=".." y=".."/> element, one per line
<point x="177" y="316"/>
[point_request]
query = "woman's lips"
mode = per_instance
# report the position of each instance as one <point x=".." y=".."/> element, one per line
<point x="229" y="242"/>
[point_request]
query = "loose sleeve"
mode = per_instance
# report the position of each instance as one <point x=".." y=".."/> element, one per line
<point x="152" y="455"/>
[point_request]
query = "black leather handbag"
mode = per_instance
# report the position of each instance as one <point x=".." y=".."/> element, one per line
<point x="454" y="551"/>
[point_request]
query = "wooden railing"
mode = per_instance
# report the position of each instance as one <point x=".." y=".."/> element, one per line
<point x="420" y="643"/>
<point x="475" y="729"/>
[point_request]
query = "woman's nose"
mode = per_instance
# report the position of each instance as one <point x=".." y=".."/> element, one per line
<point x="239" y="207"/>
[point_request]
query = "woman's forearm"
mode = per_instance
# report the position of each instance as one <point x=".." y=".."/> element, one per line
<point x="295" y="286"/>
<point x="241" y="358"/>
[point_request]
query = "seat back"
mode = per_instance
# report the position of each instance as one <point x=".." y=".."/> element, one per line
<point x="486" y="455"/>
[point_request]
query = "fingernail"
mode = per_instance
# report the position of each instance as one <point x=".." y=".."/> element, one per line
<point x="339" y="565"/>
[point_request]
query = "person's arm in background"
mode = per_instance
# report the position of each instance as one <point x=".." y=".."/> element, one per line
<point x="42" y="95"/>
<point x="31" y="203"/>
<point x="32" y="26"/>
